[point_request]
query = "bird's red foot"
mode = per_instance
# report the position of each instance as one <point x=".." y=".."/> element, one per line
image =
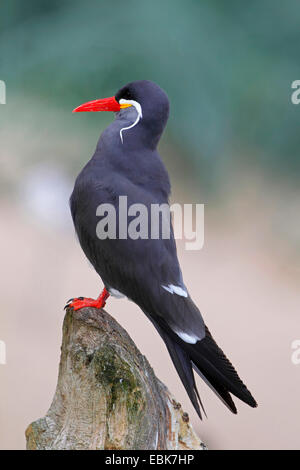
<point x="82" y="302"/>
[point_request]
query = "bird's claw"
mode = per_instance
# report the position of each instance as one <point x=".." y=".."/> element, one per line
<point x="82" y="302"/>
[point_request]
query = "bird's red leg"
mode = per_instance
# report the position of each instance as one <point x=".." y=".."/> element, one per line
<point x="81" y="302"/>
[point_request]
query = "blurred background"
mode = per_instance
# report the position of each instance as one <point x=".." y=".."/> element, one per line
<point x="232" y="143"/>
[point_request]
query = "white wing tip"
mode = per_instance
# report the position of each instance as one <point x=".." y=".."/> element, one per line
<point x="175" y="290"/>
<point x="186" y="337"/>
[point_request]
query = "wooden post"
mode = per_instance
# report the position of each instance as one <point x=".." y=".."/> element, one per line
<point x="107" y="395"/>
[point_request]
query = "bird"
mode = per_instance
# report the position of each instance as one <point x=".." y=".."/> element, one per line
<point x="145" y="270"/>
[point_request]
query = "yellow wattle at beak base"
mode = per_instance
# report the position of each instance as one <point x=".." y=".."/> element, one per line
<point x="125" y="105"/>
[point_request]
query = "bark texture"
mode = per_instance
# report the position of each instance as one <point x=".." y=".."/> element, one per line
<point x="107" y="395"/>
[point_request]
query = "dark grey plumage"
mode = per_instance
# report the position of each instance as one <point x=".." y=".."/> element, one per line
<point x="139" y="268"/>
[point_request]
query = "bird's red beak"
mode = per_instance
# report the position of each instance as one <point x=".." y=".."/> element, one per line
<point x="106" y="104"/>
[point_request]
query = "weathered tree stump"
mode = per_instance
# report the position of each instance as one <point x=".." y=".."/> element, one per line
<point x="107" y="395"/>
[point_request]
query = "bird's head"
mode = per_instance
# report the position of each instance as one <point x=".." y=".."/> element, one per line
<point x="142" y="103"/>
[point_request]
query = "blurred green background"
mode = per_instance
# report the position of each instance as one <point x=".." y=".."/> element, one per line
<point x="232" y="142"/>
<point x="226" y="66"/>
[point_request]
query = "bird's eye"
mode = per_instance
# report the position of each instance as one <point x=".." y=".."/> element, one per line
<point x="124" y="95"/>
<point x="127" y="95"/>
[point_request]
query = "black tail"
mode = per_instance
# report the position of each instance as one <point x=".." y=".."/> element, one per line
<point x="183" y="366"/>
<point x="209" y="361"/>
